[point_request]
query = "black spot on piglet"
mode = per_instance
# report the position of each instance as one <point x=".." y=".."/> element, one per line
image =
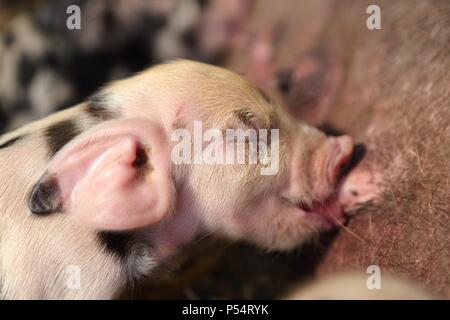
<point x="45" y="197"/>
<point x="59" y="134"/>
<point x="11" y="141"/>
<point x="116" y="243"/>
<point x="97" y="107"/>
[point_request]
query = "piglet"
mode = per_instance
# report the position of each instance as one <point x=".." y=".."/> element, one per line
<point x="98" y="195"/>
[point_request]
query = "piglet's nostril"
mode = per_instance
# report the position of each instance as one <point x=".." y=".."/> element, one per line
<point x="340" y="157"/>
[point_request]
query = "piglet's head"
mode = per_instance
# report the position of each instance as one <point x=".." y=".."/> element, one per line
<point x="286" y="207"/>
<point x="275" y="209"/>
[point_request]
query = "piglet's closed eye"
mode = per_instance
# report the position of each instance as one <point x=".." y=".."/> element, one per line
<point x="113" y="177"/>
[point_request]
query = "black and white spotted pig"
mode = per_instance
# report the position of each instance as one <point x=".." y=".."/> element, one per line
<point x="94" y="186"/>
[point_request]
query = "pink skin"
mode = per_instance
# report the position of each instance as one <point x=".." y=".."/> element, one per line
<point x="221" y="25"/>
<point x="361" y="186"/>
<point x="262" y="57"/>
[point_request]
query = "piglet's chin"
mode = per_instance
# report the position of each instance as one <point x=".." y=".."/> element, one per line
<point x="331" y="211"/>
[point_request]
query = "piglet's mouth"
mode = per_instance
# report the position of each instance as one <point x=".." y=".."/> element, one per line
<point x="330" y="210"/>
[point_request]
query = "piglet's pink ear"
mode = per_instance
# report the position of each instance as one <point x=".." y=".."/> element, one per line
<point x="115" y="176"/>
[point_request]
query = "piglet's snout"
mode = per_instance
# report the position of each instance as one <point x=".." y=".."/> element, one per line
<point x="340" y="155"/>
